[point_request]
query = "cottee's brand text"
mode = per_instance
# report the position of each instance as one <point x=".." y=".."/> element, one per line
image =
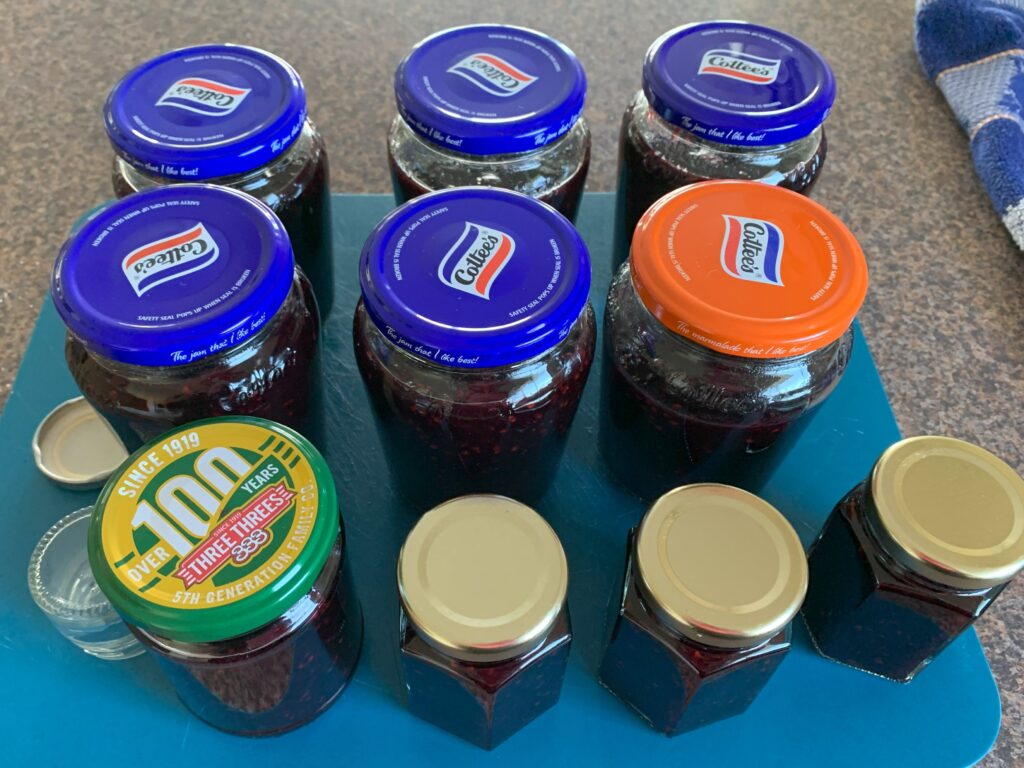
<point x="169" y="258"/>
<point x="492" y="74"/>
<point x="752" y="250"/>
<point x="739" y="66"/>
<point x="203" y="96"/>
<point x="477" y="258"/>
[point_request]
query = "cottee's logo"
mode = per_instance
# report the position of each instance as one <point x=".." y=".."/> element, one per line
<point x="752" y="250"/>
<point x="475" y="261"/>
<point x="169" y="258"/>
<point x="740" y="66"/>
<point x="492" y="74"/>
<point x="204" y="96"/>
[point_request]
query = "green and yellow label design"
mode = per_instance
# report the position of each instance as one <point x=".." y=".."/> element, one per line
<point x="219" y="515"/>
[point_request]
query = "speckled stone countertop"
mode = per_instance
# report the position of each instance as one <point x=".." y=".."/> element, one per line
<point x="945" y="314"/>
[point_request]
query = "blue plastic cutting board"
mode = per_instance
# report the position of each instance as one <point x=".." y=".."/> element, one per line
<point x="63" y="708"/>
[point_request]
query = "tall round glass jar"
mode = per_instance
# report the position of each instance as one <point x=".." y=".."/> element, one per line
<point x="474" y="338"/>
<point x="491" y="105"/>
<point x="183" y="303"/>
<point x="730" y="324"/>
<point x="722" y="100"/>
<point x="235" y="116"/>
<point x="221" y="546"/>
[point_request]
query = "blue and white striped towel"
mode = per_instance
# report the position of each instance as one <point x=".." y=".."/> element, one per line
<point x="974" y="51"/>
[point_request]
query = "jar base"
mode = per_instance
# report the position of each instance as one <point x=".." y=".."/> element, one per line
<point x="258" y="734"/>
<point x="840" y="662"/>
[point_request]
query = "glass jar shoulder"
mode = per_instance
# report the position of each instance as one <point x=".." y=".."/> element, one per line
<point x="487" y="676"/>
<point x="705" y="660"/>
<point x="527" y="384"/>
<point x="682" y="372"/>
<point x="677" y="151"/>
<point x="536" y="173"/>
<point x="308" y="610"/>
<point x="854" y="509"/>
<point x="276" y="183"/>
<point x="288" y="339"/>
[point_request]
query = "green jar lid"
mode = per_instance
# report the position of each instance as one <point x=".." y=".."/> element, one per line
<point x="215" y="529"/>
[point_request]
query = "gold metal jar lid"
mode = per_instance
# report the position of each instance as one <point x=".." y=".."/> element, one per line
<point x="483" y="578"/>
<point x="720" y="565"/>
<point x="950" y="511"/>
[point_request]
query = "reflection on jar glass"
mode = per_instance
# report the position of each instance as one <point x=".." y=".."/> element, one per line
<point x="183" y="303"/>
<point x="484" y="640"/>
<point x="234" y="116"/>
<point x="728" y="327"/>
<point x="714" y="576"/>
<point x="722" y="100"/>
<point x="913" y="555"/>
<point x="474" y="339"/>
<point x="243" y="595"/>
<point x="491" y="105"/>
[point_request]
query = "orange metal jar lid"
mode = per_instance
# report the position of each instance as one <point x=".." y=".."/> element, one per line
<point x="748" y="269"/>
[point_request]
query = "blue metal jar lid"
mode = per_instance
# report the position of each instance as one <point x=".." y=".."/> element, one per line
<point x="490" y="89"/>
<point x="474" y="277"/>
<point x="737" y="83"/>
<point x="206" y="112"/>
<point x="173" y="275"/>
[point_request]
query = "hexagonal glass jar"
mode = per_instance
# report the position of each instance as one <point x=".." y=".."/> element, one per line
<point x="912" y="556"/>
<point x="485" y="631"/>
<point x="724" y="549"/>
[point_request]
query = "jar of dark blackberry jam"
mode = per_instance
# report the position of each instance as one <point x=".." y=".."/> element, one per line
<point x="491" y="105"/>
<point x="235" y="116"/>
<point x="474" y="338"/>
<point x="714" y="576"/>
<point x="221" y="546"/>
<point x="912" y="556"/>
<point x="485" y="632"/>
<point x="183" y="303"/>
<point x="722" y="100"/>
<point x="728" y="327"/>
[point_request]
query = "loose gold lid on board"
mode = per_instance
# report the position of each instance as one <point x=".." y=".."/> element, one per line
<point x="75" y="447"/>
<point x="483" y="578"/>
<point x="950" y="511"/>
<point x="720" y="566"/>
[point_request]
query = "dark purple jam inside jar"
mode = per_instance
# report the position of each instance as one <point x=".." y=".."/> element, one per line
<point x="875" y="606"/>
<point x="244" y="594"/>
<point x="184" y="303"/>
<point x="484" y="646"/>
<point x="491" y="105"/>
<point x="715" y="360"/>
<point x="474" y="339"/>
<point x="722" y="100"/>
<point x="234" y="116"/>
<point x="662" y="660"/>
<point x="279" y="676"/>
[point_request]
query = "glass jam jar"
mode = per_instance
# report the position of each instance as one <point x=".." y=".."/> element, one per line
<point x="474" y="338"/>
<point x="182" y="303"/>
<point x="221" y="546"/>
<point x="485" y="632"/>
<point x="722" y="100"/>
<point x="491" y="105"/>
<point x="234" y="116"/>
<point x="730" y="324"/>
<point x="714" y="576"/>
<point x="913" y="555"/>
